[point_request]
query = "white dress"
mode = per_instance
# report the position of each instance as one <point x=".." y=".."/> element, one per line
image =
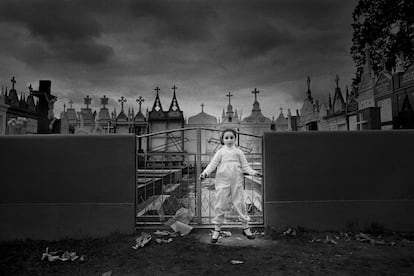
<point x="231" y="163"/>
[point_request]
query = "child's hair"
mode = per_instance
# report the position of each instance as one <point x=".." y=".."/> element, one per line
<point x="227" y="130"/>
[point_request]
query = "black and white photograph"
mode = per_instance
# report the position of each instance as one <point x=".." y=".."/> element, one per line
<point x="202" y="137"/>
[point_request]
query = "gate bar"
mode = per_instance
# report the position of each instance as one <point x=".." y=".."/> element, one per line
<point x="198" y="172"/>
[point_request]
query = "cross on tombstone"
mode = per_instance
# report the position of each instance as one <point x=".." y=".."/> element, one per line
<point x="281" y="110"/>
<point x="140" y="100"/>
<point x="308" y="80"/>
<point x="229" y="95"/>
<point x="30" y="88"/>
<point x="122" y="100"/>
<point x="104" y="101"/>
<point x="13" y="80"/>
<point x="255" y="91"/>
<point x="202" y="107"/>
<point x="88" y="101"/>
<point x="64" y="107"/>
<point x="71" y="103"/>
<point x="383" y="64"/>
<point x="157" y="89"/>
<point x="337" y="81"/>
<point x="174" y="88"/>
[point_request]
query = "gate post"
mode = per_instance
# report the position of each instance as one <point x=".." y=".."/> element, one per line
<point x="198" y="172"/>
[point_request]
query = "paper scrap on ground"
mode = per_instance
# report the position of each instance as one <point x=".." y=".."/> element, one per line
<point x="162" y="233"/>
<point x="236" y="262"/>
<point x="108" y="273"/>
<point x="184" y="229"/>
<point x="182" y="215"/>
<point x="362" y="237"/>
<point x="328" y="239"/>
<point x="289" y="232"/>
<point x="160" y="241"/>
<point x="142" y="240"/>
<point x="225" y="234"/>
<point x="54" y="256"/>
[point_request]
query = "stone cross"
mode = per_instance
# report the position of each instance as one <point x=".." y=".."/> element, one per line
<point x="337" y="81"/>
<point x="104" y="101"/>
<point x="87" y="101"/>
<point x="30" y="88"/>
<point x="174" y="88"/>
<point x="255" y="91"/>
<point x="281" y="110"/>
<point x="13" y="80"/>
<point x="122" y="100"/>
<point x="64" y="107"/>
<point x="140" y="100"/>
<point x="71" y="103"/>
<point x="157" y="89"/>
<point x="229" y="95"/>
<point x="308" y="80"/>
<point x="202" y="107"/>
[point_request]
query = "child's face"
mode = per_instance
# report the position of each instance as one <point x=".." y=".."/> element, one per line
<point x="229" y="139"/>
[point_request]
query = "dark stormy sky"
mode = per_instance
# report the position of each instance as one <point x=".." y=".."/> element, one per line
<point x="206" y="48"/>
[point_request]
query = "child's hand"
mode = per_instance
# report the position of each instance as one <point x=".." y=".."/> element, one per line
<point x="203" y="175"/>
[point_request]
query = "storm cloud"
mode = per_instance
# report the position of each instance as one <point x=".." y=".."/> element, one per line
<point x="206" y="48"/>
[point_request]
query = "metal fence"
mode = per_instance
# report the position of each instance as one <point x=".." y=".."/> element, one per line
<point x="168" y="182"/>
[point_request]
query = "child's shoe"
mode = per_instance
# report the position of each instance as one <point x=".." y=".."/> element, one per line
<point x="215" y="236"/>
<point x="248" y="233"/>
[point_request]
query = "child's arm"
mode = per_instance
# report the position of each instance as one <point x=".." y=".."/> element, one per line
<point x="212" y="165"/>
<point x="245" y="165"/>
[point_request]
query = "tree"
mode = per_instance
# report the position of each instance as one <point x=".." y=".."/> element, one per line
<point x="386" y="27"/>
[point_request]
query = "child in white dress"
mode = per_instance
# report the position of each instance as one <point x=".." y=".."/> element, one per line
<point x="231" y="165"/>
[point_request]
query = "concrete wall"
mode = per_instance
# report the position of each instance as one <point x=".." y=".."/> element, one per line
<point x="58" y="186"/>
<point x="339" y="180"/>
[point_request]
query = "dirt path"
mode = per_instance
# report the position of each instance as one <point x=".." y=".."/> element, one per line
<point x="194" y="255"/>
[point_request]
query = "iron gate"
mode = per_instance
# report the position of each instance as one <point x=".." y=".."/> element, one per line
<point x="167" y="177"/>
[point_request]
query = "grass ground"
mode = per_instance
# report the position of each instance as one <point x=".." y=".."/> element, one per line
<point x="269" y="254"/>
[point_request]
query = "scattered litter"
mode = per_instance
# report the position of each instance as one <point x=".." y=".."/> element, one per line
<point x="179" y="222"/>
<point x="142" y="240"/>
<point x="315" y="240"/>
<point x="237" y="262"/>
<point x="260" y="233"/>
<point x="362" y="237"/>
<point x="225" y="234"/>
<point x="184" y="229"/>
<point x="328" y="239"/>
<point x="160" y="241"/>
<point x="239" y="238"/>
<point x="344" y="236"/>
<point x="108" y="273"/>
<point x="69" y="256"/>
<point x="166" y="234"/>
<point x="162" y="233"/>
<point x="407" y="241"/>
<point x="182" y="215"/>
<point x="54" y="256"/>
<point x="289" y="232"/>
